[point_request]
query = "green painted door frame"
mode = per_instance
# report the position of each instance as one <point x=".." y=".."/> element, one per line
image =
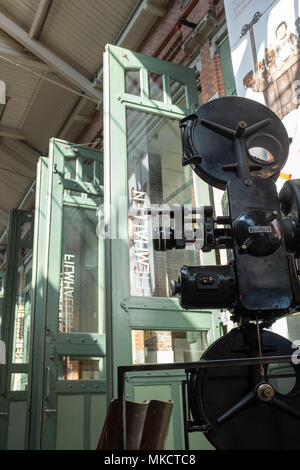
<point x="15" y="332"/>
<point x="227" y="69"/>
<point x="124" y="311"/>
<point x="2" y="282"/>
<point x="68" y="263"/>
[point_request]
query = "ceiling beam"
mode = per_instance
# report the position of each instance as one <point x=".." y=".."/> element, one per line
<point x="43" y="53"/>
<point x="12" y="133"/>
<point x="70" y="121"/>
<point x="13" y="161"/>
<point x="17" y="55"/>
<point x="40" y="18"/>
<point x="155" y="9"/>
<point x="23" y="150"/>
<point x="83" y="119"/>
<point x="3" y="218"/>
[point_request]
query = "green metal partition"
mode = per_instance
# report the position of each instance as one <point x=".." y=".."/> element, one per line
<point x="144" y="99"/>
<point x="68" y="384"/>
<point x="15" y="332"/>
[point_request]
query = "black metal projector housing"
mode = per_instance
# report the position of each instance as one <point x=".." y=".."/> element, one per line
<point x="240" y="146"/>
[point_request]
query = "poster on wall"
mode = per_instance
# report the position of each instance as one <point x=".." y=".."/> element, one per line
<point x="264" y="38"/>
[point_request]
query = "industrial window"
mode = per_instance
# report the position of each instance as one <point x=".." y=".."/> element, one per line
<point x="155" y="177"/>
<point x="132" y="82"/>
<point x="19" y="382"/>
<point x="80" y="368"/>
<point x="158" y="347"/>
<point x="156" y="88"/>
<point x="78" y="302"/>
<point x="22" y="320"/>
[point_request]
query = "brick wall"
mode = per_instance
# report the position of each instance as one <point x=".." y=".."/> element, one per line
<point x="211" y="78"/>
<point x="169" y="30"/>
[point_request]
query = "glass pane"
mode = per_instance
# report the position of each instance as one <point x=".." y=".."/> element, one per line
<point x="78" y="306"/>
<point x="70" y="168"/>
<point x="261" y="155"/>
<point x="21" y="344"/>
<point x="158" y="347"/>
<point x="156" y="88"/>
<point x="28" y="277"/>
<point x="132" y="82"/>
<point x="282" y="377"/>
<point x="2" y="278"/>
<point x="80" y="369"/>
<point x="19" y="382"/>
<point x="178" y="93"/>
<point x="26" y="231"/>
<point x="155" y="176"/>
<point x="88" y="172"/>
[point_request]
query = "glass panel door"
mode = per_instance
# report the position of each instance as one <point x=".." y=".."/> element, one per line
<point x="156" y="178"/>
<point x="144" y="100"/>
<point x="68" y="350"/>
<point x="16" y="332"/>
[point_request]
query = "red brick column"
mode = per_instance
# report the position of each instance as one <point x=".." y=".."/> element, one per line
<point x="211" y="77"/>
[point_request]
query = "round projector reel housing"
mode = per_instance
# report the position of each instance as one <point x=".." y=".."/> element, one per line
<point x="209" y="153"/>
<point x="260" y="425"/>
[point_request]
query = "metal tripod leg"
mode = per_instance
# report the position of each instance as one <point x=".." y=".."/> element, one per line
<point x="284" y="407"/>
<point x="237" y="408"/>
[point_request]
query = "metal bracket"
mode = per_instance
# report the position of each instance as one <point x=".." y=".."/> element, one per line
<point x="125" y="304"/>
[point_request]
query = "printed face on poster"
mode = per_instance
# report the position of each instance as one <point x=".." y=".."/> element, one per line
<point x="264" y="39"/>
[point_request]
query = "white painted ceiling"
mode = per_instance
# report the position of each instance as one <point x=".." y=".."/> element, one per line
<point x="62" y="41"/>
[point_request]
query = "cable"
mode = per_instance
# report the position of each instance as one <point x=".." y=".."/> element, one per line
<point x="50" y="80"/>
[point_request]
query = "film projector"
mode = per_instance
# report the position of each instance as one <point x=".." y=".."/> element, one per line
<point x="240" y="146"/>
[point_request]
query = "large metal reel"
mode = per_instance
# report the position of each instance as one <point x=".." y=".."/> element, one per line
<point x="212" y="155"/>
<point x="258" y="425"/>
